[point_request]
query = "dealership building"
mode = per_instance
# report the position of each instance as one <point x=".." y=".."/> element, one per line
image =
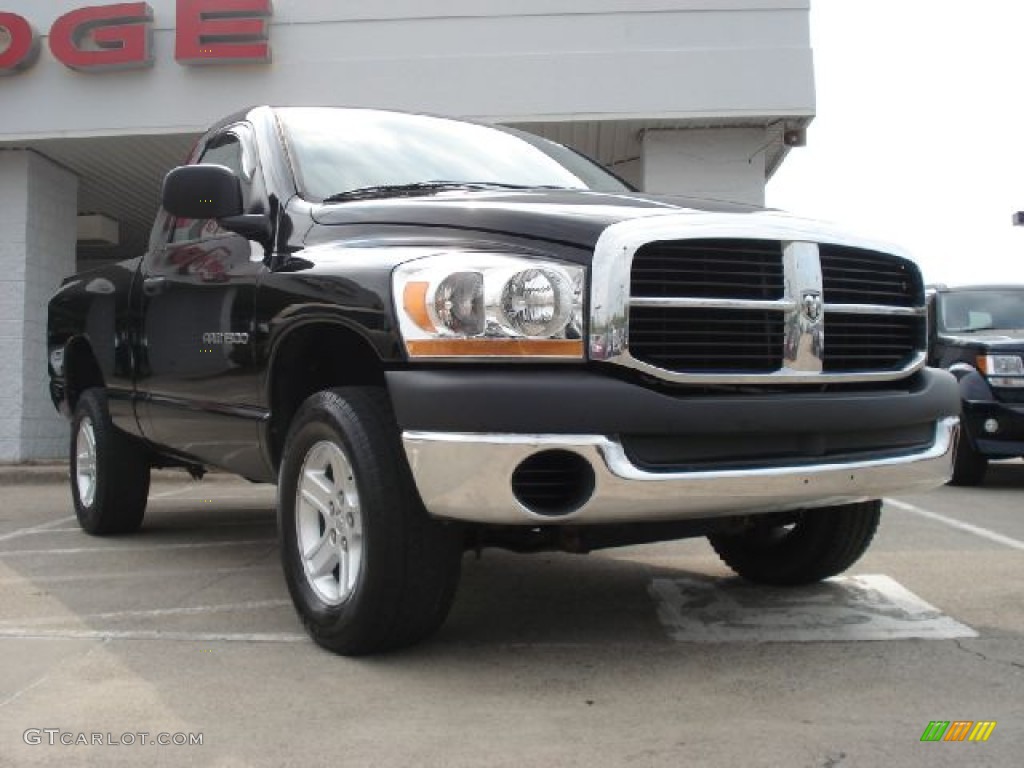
<point x="98" y="102"/>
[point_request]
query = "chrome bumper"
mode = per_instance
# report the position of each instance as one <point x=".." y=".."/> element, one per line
<point x="467" y="476"/>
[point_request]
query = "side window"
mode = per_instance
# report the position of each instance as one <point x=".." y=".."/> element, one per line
<point x="225" y="150"/>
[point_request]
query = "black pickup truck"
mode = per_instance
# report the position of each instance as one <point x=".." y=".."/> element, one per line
<point x="435" y="336"/>
<point x="978" y="336"/>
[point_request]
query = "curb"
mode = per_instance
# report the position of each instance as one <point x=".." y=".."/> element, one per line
<point x="33" y="474"/>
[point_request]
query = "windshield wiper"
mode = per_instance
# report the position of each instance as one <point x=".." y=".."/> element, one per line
<point x="422" y="187"/>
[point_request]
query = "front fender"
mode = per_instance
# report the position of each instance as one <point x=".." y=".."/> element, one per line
<point x="974" y="386"/>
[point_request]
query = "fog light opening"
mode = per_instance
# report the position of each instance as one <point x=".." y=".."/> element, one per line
<point x="991" y="426"/>
<point x="553" y="483"/>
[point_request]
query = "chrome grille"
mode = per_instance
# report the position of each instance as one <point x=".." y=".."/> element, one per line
<point x="707" y="340"/>
<point x="859" y="276"/>
<point x="736" y="269"/>
<point x="866" y="343"/>
<point x="735" y="310"/>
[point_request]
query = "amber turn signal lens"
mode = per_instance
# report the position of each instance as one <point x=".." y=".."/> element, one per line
<point x="555" y="348"/>
<point x="415" y="302"/>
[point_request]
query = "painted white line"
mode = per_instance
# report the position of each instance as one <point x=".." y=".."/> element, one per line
<point x="114" y="548"/>
<point x="205" y="525"/>
<point x="977" y="530"/>
<point x="168" y="494"/>
<point x="195" y="610"/>
<point x="841" y="609"/>
<point x="137" y="574"/>
<point x="50" y="674"/>
<point x="68" y="529"/>
<point x="35" y="528"/>
<point x="29" y="633"/>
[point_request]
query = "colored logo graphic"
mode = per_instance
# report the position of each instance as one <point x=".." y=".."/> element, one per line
<point x="958" y="730"/>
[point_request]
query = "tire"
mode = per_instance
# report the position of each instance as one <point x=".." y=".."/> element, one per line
<point x="373" y="572"/>
<point x="109" y="470"/>
<point x="821" y="543"/>
<point x="969" y="466"/>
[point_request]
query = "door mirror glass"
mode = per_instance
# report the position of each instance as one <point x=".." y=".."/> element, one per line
<point x="203" y="192"/>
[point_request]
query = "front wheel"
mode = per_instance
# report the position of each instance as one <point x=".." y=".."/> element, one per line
<point x="367" y="568"/>
<point x="818" y="544"/>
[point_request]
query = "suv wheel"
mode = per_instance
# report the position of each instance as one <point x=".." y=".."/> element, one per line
<point x="819" y="544"/>
<point x="367" y="568"/>
<point x="969" y="466"/>
<point x="109" y="470"/>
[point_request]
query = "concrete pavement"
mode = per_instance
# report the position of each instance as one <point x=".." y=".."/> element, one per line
<point x="546" y="660"/>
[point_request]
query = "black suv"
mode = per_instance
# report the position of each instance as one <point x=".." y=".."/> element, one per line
<point x="978" y="335"/>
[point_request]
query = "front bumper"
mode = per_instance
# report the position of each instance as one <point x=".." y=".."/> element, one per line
<point x="468" y="476"/>
<point x="1008" y="441"/>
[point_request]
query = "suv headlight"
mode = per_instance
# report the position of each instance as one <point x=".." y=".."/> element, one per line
<point x="490" y="305"/>
<point x="1002" y="370"/>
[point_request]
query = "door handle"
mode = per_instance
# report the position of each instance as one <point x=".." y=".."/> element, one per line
<point x="151" y="286"/>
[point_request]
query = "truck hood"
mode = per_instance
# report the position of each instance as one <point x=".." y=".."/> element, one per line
<point x="575" y="217"/>
<point x="572" y="217"/>
<point x="1003" y="341"/>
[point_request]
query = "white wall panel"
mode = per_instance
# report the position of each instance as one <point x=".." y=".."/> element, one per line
<point x="534" y="60"/>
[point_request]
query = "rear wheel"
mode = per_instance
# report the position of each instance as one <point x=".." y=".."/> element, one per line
<point x="820" y="543"/>
<point x="367" y="568"/>
<point x="969" y="466"/>
<point x="109" y="470"/>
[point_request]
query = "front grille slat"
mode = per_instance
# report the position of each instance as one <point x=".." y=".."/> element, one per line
<point x="703" y="269"/>
<point x="718" y="340"/>
<point x="750" y="341"/>
<point x="865" y="343"/>
<point x="858" y="276"/>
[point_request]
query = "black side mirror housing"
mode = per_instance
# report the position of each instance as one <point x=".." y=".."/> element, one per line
<point x="255" y="226"/>
<point x="203" y="192"/>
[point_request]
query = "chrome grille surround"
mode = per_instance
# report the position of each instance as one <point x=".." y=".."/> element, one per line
<point x="803" y="307"/>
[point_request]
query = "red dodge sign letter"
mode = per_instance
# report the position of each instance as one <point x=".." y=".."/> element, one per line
<point x="104" y="37"/>
<point x="23" y="46"/>
<point x="222" y="31"/>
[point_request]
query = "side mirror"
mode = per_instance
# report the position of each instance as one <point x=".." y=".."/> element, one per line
<point x="202" y="192"/>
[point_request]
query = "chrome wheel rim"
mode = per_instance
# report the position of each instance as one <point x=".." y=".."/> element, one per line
<point x="329" y="523"/>
<point x="85" y="462"/>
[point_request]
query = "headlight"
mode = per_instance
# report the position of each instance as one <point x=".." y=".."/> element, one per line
<point x="490" y="305"/>
<point x="1002" y="370"/>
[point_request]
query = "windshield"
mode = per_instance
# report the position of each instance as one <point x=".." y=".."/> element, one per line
<point x="334" y="151"/>
<point x="965" y="311"/>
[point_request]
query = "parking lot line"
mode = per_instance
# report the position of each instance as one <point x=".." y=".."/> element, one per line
<point x="32" y="633"/>
<point x="175" y="492"/>
<point x="977" y="530"/>
<point x="138" y="548"/>
<point x="194" y="610"/>
<point x="135" y="574"/>
<point x="35" y="528"/>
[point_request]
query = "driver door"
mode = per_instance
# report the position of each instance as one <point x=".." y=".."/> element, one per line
<point x="198" y="375"/>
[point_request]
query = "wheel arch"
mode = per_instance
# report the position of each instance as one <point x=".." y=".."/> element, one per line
<point x="81" y="370"/>
<point x="313" y="356"/>
<point x="973" y="385"/>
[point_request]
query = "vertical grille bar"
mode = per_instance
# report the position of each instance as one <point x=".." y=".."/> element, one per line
<point x="804" y="347"/>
